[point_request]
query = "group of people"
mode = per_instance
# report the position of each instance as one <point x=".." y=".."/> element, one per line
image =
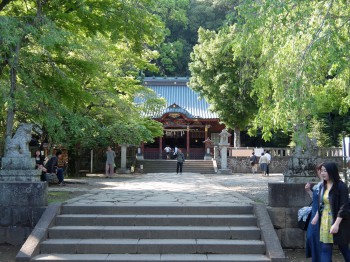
<point x="175" y="154"/>
<point x="50" y="166"/>
<point x="330" y="215"/>
<point x="171" y="153"/>
<point x="264" y="162"/>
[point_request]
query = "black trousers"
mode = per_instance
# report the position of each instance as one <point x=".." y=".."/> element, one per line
<point x="179" y="167"/>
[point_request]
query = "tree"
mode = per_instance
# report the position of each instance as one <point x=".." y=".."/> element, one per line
<point x="71" y="67"/>
<point x="223" y="80"/>
<point x="183" y="26"/>
<point x="303" y="62"/>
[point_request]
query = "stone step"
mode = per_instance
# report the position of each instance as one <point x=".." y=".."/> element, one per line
<point x="156" y="210"/>
<point x="169" y="166"/>
<point x="152" y="257"/>
<point x="155" y="220"/>
<point x="152" y="246"/>
<point x="154" y="232"/>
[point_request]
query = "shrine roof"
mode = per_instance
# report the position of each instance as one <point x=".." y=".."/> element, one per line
<point x="177" y="92"/>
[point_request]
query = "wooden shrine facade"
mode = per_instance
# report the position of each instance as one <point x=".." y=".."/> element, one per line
<point x="187" y="121"/>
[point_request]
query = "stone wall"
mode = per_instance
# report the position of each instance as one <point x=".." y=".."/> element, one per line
<point x="285" y="199"/>
<point x="21" y="206"/>
<point x="278" y="164"/>
<point x="242" y="164"/>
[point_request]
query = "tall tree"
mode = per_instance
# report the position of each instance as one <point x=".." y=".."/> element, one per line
<point x="70" y="66"/>
<point x="224" y="80"/>
<point x="303" y="63"/>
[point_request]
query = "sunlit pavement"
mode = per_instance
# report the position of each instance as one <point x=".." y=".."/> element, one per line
<point x="172" y="189"/>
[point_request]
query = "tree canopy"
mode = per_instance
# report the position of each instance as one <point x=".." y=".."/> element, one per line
<point x="182" y="30"/>
<point x="71" y="68"/>
<point x="224" y="80"/>
<point x="300" y="56"/>
<point x="303" y="49"/>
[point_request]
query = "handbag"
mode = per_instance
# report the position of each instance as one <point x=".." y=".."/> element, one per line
<point x="304" y="216"/>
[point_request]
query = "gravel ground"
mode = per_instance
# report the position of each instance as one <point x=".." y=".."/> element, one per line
<point x="253" y="186"/>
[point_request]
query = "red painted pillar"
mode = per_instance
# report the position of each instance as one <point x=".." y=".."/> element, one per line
<point x="160" y="147"/>
<point x="188" y="142"/>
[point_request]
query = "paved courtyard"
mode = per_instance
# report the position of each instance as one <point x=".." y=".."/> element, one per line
<point x="171" y="189"/>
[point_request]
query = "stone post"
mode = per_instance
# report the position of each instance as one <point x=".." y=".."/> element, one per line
<point x="223" y="145"/>
<point x="216" y="153"/>
<point x="123" y="159"/>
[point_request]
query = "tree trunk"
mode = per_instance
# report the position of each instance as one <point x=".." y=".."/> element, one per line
<point x="237" y="137"/>
<point x="10" y="119"/>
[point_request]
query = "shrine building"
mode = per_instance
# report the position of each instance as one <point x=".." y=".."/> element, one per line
<point x="187" y="120"/>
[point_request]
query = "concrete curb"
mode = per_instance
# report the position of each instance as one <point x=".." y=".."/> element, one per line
<point x="31" y="247"/>
<point x="274" y="250"/>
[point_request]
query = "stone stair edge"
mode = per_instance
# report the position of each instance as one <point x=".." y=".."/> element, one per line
<point x="189" y="227"/>
<point x="155" y="257"/>
<point x="158" y="209"/>
<point x="153" y="246"/>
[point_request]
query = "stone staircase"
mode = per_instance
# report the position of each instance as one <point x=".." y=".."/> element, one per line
<point x="169" y="166"/>
<point x="154" y="233"/>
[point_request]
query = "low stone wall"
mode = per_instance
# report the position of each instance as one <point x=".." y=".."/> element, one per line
<point x="21" y="206"/>
<point x="285" y="199"/>
<point x="279" y="164"/>
<point x="242" y="164"/>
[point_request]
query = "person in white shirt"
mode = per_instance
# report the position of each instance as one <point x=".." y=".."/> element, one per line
<point x="267" y="154"/>
<point x="263" y="161"/>
<point x="167" y="150"/>
<point x="175" y="151"/>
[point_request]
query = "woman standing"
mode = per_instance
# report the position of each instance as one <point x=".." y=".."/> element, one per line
<point x="313" y="247"/>
<point x="110" y="156"/>
<point x="334" y="213"/>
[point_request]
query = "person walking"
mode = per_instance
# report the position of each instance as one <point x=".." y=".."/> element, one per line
<point x="167" y="150"/>
<point x="263" y="161"/>
<point x="180" y="157"/>
<point x="312" y="243"/>
<point x="267" y="154"/>
<point x="254" y="162"/>
<point x="110" y="156"/>
<point x="333" y="213"/>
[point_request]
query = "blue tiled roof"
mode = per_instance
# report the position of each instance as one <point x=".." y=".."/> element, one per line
<point x="176" y="91"/>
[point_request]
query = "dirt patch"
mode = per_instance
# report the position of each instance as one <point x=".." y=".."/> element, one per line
<point x="8" y="253"/>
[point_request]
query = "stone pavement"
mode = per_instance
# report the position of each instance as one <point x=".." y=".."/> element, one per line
<point x="171" y="189"/>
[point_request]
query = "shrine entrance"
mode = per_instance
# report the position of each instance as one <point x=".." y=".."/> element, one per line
<point x="187" y="122"/>
<point x="175" y="137"/>
<point x="186" y="133"/>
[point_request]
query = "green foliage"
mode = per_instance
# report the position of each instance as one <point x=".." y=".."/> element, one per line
<point x="76" y="65"/>
<point x="183" y="30"/>
<point x="222" y="79"/>
<point x="318" y="130"/>
<point x="301" y="48"/>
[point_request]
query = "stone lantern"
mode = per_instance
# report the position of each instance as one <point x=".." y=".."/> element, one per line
<point x="223" y="145"/>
